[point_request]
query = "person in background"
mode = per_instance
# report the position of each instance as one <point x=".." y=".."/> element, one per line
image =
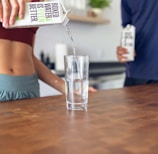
<point x="19" y="68"/>
<point x="143" y="15"/>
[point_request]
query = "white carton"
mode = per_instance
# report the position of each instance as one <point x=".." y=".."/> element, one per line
<point x="128" y="41"/>
<point x="42" y="13"/>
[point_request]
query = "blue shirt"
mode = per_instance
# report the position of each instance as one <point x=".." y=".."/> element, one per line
<point x="143" y="15"/>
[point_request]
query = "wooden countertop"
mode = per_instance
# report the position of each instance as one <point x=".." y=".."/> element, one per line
<point x="119" y="121"/>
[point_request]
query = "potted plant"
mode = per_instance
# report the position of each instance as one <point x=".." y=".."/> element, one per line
<point x="97" y="6"/>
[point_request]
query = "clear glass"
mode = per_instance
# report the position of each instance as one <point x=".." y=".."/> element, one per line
<point x="76" y="81"/>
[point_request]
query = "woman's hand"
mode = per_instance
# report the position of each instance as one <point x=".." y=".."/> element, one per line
<point x="91" y="89"/>
<point x="10" y="9"/>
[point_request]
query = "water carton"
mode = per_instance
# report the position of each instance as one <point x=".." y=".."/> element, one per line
<point x="128" y="41"/>
<point x="42" y="13"/>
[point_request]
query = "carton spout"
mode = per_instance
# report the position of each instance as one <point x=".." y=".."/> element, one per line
<point x="65" y="12"/>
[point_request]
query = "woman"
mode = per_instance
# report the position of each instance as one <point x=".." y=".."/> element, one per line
<point x="19" y="68"/>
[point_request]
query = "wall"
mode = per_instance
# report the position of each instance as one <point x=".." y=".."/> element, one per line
<point x="98" y="41"/>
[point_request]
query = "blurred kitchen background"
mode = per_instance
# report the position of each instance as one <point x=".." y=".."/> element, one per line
<point x="94" y="35"/>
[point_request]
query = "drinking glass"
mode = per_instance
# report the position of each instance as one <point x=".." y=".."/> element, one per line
<point x="76" y="81"/>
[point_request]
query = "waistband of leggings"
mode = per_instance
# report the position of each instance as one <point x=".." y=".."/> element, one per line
<point x="18" y="82"/>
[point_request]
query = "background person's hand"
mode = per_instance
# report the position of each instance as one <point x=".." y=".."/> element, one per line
<point x="121" y="54"/>
<point x="10" y="9"/>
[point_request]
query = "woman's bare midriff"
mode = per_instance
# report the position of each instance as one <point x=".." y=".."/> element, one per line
<point x="15" y="58"/>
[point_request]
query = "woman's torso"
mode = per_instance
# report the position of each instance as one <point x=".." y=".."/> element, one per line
<point x="16" y="52"/>
<point x="15" y="58"/>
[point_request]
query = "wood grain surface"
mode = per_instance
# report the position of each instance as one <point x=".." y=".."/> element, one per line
<point x="119" y="121"/>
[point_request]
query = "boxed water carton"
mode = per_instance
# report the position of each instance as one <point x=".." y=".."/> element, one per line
<point x="42" y="13"/>
<point x="128" y="41"/>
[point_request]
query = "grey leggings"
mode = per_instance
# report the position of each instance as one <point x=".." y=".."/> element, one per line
<point x="18" y="87"/>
